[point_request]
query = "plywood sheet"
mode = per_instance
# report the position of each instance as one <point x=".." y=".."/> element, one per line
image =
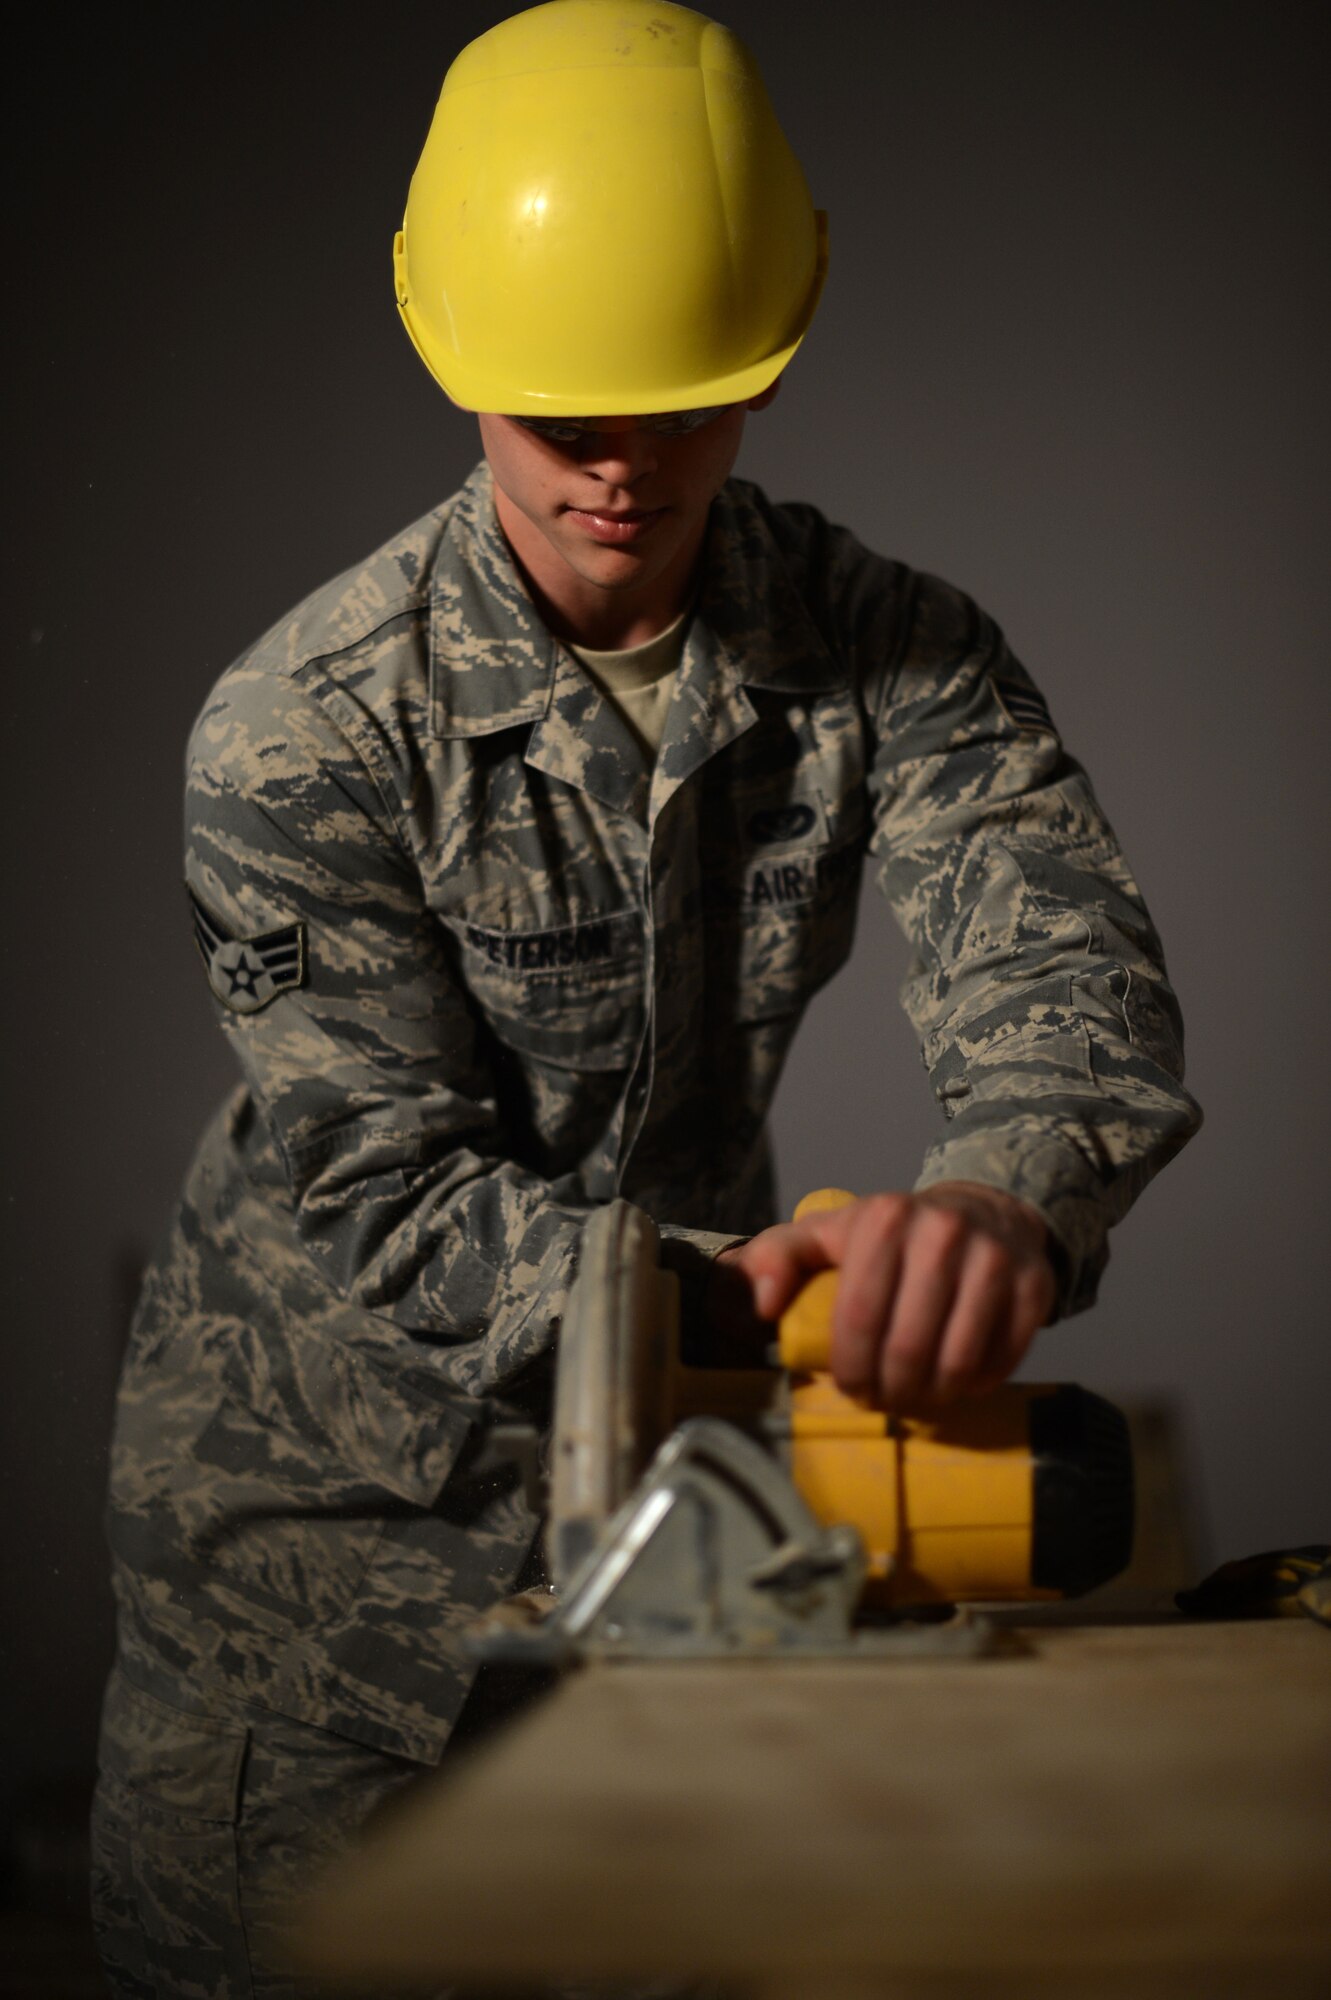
<point x="1116" y="1804"/>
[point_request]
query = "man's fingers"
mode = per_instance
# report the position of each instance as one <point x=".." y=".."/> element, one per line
<point x="866" y="1288"/>
<point x="1032" y="1302"/>
<point x="934" y="1250"/>
<point x="1033" y="1298"/>
<point x="781" y="1260"/>
<point x="981" y="1314"/>
<point x="935" y="1299"/>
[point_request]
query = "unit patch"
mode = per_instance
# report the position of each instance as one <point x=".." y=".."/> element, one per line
<point x="246" y="973"/>
<point x="1023" y="705"/>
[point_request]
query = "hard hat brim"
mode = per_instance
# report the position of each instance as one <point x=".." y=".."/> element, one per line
<point x="473" y="388"/>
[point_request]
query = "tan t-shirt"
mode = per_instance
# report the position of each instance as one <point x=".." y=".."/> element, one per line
<point x="639" y="680"/>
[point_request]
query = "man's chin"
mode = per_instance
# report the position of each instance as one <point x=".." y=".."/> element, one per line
<point x="612" y="568"/>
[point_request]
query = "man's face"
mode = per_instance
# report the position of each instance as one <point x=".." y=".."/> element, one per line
<point x="616" y="513"/>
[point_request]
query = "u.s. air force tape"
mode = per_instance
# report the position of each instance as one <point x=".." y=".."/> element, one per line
<point x="246" y="973"/>
<point x="1022" y="704"/>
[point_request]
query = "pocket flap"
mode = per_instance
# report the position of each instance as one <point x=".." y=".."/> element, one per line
<point x="400" y="1440"/>
<point x="190" y="1764"/>
<point x="570" y="997"/>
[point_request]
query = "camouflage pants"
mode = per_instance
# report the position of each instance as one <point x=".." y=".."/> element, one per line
<point x="206" y="1818"/>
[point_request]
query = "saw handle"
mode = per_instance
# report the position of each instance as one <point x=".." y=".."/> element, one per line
<point x="804" y="1331"/>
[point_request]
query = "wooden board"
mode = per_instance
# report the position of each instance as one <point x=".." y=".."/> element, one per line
<point x="1117" y="1806"/>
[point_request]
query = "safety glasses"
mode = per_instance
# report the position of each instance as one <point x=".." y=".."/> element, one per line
<point x="571" y="430"/>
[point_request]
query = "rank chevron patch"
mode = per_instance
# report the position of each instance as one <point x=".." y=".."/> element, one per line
<point x="246" y="973"/>
<point x="1023" y="705"/>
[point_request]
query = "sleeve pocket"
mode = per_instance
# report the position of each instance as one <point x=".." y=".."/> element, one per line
<point x="1036" y="1047"/>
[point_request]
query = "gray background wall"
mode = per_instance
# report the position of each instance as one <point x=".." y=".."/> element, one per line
<point x="1072" y="355"/>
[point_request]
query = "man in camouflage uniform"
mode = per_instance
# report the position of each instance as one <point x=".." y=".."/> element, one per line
<point x="490" y="954"/>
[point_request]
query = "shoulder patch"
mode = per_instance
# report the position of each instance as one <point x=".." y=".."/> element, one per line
<point x="1024" y="706"/>
<point x="246" y="973"/>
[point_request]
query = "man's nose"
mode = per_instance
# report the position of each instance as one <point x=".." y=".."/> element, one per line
<point x="619" y="449"/>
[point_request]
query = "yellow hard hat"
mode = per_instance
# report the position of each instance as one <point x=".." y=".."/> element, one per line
<point x="607" y="219"/>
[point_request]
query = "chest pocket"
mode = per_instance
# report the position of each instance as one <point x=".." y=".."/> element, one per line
<point x="570" y="997"/>
<point x="781" y="905"/>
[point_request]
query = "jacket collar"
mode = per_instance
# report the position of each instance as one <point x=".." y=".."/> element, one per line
<point x="754" y="621"/>
<point x="492" y="661"/>
<point x="494" y="665"/>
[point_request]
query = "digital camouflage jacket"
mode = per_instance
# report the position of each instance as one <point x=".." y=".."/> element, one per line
<point x="484" y="967"/>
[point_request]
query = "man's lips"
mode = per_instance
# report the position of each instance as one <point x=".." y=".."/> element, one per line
<point x="617" y="525"/>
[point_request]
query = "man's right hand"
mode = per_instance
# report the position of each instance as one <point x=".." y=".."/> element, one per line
<point x="941" y="1293"/>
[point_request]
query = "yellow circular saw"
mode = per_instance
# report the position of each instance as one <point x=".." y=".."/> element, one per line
<point x="701" y="1510"/>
